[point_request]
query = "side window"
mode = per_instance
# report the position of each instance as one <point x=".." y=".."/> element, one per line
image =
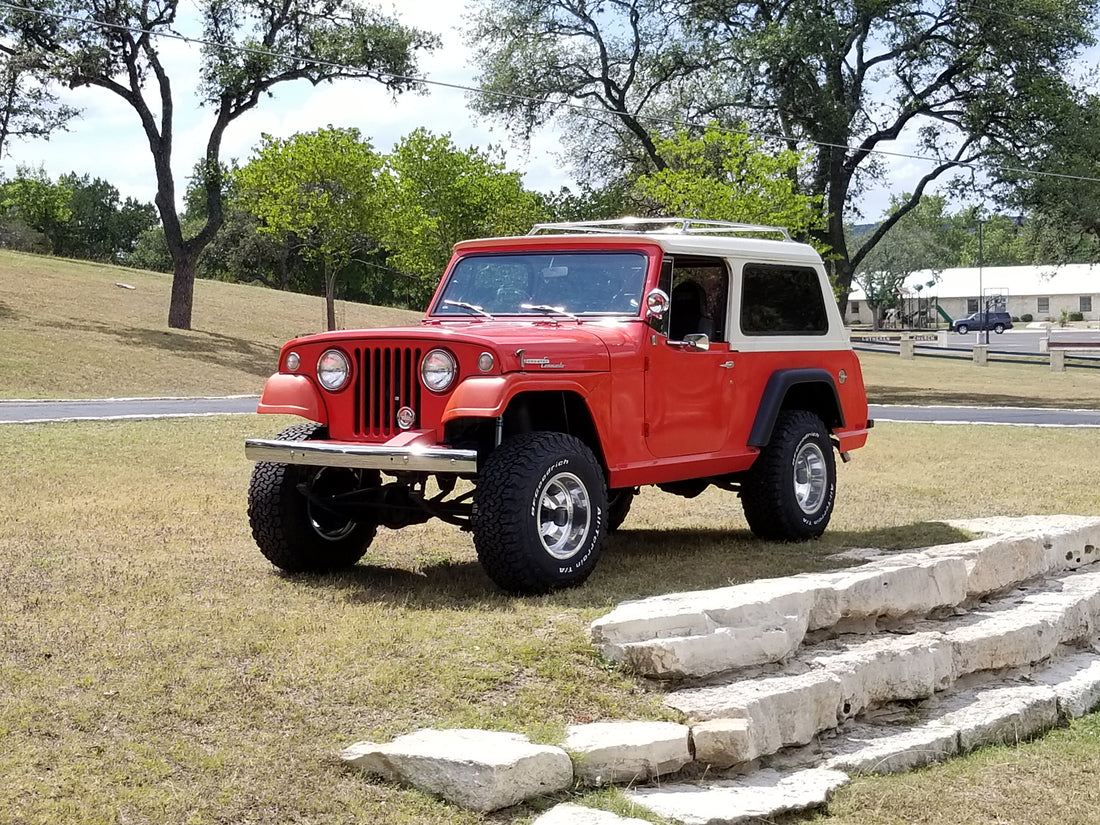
<point x="782" y="300"/>
<point x="1042" y="305"/>
<point x="700" y="295"/>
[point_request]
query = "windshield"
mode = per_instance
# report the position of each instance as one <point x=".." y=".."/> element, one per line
<point x="545" y="284"/>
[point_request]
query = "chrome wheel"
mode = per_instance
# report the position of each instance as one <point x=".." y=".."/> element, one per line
<point x="811" y="478"/>
<point x="565" y="515"/>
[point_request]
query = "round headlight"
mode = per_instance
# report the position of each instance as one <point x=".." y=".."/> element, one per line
<point x="438" y="370"/>
<point x="293" y="361"/>
<point x="333" y="369"/>
<point x="485" y="361"/>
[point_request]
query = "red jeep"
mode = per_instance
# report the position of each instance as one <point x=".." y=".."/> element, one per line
<point x="553" y="375"/>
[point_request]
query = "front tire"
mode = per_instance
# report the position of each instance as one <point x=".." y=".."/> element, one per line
<point x="788" y="493"/>
<point x="541" y="513"/>
<point x="295" y="535"/>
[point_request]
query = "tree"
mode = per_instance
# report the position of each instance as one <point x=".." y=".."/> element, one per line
<point x="922" y="239"/>
<point x="604" y="70"/>
<point x="846" y="79"/>
<point x="28" y="109"/>
<point x="250" y="47"/>
<point x="1054" y="180"/>
<point x="101" y="225"/>
<point x="729" y="176"/>
<point x="437" y="195"/>
<point x="37" y="202"/>
<point x="319" y="188"/>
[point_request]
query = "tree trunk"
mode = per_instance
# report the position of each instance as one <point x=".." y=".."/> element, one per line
<point x="330" y="297"/>
<point x="183" y="291"/>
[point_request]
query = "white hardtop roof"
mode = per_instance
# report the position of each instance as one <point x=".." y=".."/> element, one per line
<point x="1038" y="280"/>
<point x="678" y="236"/>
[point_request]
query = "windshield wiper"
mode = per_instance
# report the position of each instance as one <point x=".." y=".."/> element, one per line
<point x="472" y="307"/>
<point x="549" y="310"/>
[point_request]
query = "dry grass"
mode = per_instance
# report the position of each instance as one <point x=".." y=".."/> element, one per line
<point x="67" y="331"/>
<point x="155" y="668"/>
<point x="1051" y="781"/>
<point x="892" y="380"/>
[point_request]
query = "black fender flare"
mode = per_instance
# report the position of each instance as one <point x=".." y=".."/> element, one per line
<point x="775" y="393"/>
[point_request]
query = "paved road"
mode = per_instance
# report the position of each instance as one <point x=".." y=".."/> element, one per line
<point x="1013" y="416"/>
<point x="109" y="409"/>
<point x="125" y="408"/>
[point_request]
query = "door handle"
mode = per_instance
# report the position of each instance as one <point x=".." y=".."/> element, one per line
<point x="728" y="365"/>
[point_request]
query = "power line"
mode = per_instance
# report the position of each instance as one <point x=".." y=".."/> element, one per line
<point x="581" y="109"/>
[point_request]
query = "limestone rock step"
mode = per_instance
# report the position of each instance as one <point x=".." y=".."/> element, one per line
<point x="996" y="713"/>
<point x="704" y="633"/>
<point x="763" y="795"/>
<point x="821" y="688"/>
<point x="477" y="769"/>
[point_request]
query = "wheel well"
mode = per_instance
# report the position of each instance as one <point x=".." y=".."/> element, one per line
<point x="810" y="389"/>
<point x="547" y="411"/>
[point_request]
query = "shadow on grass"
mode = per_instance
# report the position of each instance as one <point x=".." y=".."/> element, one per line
<point x="7" y="313"/>
<point x="923" y="397"/>
<point x="634" y="564"/>
<point x="207" y="347"/>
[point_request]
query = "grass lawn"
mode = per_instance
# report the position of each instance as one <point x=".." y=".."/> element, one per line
<point x="154" y="668"/>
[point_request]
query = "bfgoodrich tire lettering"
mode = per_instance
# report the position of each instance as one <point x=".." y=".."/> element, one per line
<point x="291" y="534"/>
<point x="789" y="492"/>
<point x="541" y="513"/>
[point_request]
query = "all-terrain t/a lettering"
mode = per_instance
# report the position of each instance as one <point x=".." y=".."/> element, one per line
<point x="553" y="375"/>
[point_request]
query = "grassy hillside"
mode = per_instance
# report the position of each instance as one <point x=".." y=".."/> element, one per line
<point x="67" y="330"/>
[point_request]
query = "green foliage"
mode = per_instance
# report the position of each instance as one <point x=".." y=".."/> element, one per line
<point x="39" y="203"/>
<point x="30" y="109"/>
<point x="732" y="176"/>
<point x="1063" y="199"/>
<point x="320" y="188"/>
<point x="101" y="225"/>
<point x="435" y="195"/>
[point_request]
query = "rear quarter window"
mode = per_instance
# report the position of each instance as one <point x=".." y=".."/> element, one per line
<point x="782" y="300"/>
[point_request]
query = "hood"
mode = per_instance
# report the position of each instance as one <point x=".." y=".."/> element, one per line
<point x="542" y="344"/>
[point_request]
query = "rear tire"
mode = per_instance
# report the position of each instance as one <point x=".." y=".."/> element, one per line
<point x="294" y="535"/>
<point x="541" y="513"/>
<point x="962" y="329"/>
<point x="998" y="328"/>
<point x="788" y="493"/>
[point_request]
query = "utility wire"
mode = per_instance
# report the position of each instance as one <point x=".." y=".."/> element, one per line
<point x="581" y="109"/>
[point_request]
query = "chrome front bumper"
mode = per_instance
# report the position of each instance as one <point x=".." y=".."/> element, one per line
<point x="362" y="456"/>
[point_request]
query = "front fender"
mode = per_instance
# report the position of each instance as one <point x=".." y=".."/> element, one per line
<point x="293" y="395"/>
<point x="488" y="397"/>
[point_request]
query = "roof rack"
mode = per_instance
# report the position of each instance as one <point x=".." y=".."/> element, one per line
<point x="681" y="226"/>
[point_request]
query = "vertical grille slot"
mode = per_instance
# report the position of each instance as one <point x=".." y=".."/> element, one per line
<point x="386" y="380"/>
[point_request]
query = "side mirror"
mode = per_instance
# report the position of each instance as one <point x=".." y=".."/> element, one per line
<point x="697" y="341"/>
<point x="656" y="304"/>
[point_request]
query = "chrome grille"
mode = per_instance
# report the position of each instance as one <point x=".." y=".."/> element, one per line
<point x="386" y="379"/>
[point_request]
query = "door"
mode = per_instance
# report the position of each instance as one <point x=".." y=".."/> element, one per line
<point x="689" y="393"/>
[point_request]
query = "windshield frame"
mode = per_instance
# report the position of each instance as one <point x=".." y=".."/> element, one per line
<point x="576" y="284"/>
